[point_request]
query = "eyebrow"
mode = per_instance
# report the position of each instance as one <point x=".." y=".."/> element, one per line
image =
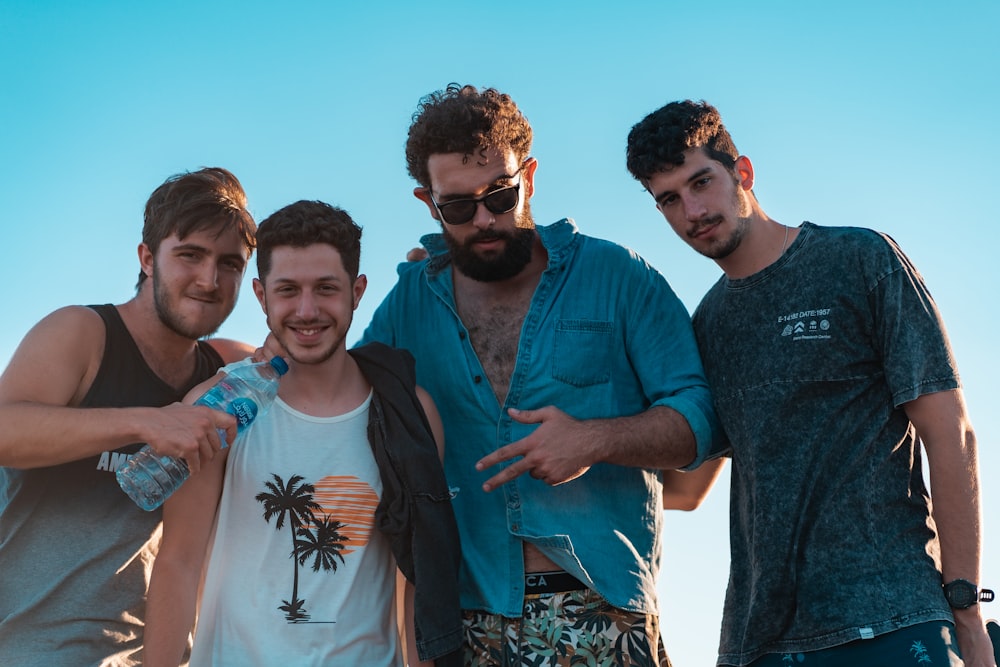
<point x="205" y="250"/>
<point x="693" y="177"/>
<point x="501" y="181"/>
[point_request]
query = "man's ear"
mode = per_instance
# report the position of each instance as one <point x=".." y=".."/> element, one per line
<point x="744" y="172"/>
<point x="424" y="195"/>
<point x="528" y="175"/>
<point x="145" y="260"/>
<point x="258" y="290"/>
<point x="360" y="284"/>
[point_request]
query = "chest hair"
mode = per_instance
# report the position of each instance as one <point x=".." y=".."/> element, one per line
<point x="494" y="327"/>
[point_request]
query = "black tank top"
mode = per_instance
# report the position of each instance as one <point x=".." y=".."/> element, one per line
<point x="76" y="551"/>
<point x="125" y="380"/>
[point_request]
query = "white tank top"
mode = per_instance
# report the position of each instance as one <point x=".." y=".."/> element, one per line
<point x="297" y="574"/>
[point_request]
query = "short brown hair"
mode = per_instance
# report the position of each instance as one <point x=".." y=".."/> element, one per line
<point x="305" y="223"/>
<point x="210" y="198"/>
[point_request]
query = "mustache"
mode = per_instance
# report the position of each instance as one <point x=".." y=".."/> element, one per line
<point x="488" y="235"/>
<point x="707" y="222"/>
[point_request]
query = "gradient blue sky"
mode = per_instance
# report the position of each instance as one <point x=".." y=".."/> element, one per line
<point x="854" y="113"/>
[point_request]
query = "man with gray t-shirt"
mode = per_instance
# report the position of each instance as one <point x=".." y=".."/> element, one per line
<point x="828" y="362"/>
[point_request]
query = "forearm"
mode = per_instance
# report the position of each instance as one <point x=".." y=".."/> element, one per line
<point x="942" y="424"/>
<point x="170" y="612"/>
<point x="37" y="435"/>
<point x="659" y="438"/>
<point x="412" y="658"/>
<point x="687" y="490"/>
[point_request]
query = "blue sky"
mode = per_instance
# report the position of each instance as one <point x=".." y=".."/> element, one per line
<point x="871" y="114"/>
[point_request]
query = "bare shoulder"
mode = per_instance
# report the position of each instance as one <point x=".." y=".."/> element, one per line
<point x="231" y="350"/>
<point x="57" y="359"/>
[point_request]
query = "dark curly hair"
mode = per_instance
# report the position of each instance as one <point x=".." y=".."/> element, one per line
<point x="462" y="119"/>
<point x="659" y="140"/>
<point x="304" y="223"/>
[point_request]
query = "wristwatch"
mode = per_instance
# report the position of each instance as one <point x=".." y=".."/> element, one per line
<point x="962" y="594"/>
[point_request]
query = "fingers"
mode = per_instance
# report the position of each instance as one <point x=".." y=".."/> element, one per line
<point x="226" y="423"/>
<point x="416" y="254"/>
<point x="192" y="433"/>
<point x="513" y="471"/>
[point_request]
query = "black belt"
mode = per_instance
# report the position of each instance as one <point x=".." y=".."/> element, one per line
<point x="551" y="582"/>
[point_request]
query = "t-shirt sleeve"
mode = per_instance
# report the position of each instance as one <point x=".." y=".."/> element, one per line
<point x="908" y="329"/>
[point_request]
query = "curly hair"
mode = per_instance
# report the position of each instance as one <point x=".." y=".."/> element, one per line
<point x="211" y="198"/>
<point x="659" y="140"/>
<point x="463" y="119"/>
<point x="304" y="223"/>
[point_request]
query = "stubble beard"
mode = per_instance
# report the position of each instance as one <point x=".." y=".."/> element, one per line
<point x="516" y="254"/>
<point x="727" y="246"/>
<point x="168" y="314"/>
<point x="310" y="356"/>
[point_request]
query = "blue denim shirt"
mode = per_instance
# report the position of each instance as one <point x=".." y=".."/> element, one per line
<point x="605" y="336"/>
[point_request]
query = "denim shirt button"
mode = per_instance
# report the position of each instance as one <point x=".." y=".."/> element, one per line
<point x="477" y="379"/>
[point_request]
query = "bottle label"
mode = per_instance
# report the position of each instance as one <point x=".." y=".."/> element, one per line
<point x="215" y="397"/>
<point x="245" y="411"/>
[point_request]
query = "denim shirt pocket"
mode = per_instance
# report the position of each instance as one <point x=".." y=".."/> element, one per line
<point x="582" y="352"/>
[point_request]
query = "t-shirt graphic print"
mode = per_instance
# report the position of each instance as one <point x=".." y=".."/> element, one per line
<point x="297" y="573"/>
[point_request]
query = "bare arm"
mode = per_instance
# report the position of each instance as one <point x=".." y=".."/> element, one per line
<point x="562" y="448"/>
<point x="687" y="490"/>
<point x="49" y="375"/>
<point x="943" y="426"/>
<point x="409" y="633"/>
<point x="434" y="418"/>
<point x="171" y="604"/>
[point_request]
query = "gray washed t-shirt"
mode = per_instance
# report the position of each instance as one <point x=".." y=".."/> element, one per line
<point x="810" y="361"/>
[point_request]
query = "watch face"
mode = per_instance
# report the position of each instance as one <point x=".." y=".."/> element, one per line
<point x="961" y="594"/>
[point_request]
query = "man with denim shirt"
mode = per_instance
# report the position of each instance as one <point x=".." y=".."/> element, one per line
<point x="829" y="363"/>
<point x="555" y="354"/>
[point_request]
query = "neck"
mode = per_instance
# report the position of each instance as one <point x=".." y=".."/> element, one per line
<point x="325" y="389"/>
<point x="763" y="243"/>
<point x="169" y="354"/>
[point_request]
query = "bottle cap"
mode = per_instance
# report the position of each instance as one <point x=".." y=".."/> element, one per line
<point x="279" y="365"/>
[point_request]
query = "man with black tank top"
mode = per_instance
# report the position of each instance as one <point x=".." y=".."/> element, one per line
<point x="85" y="389"/>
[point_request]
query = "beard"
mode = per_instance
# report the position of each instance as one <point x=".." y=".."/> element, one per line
<point x="171" y="318"/>
<point x="502" y="265"/>
<point x="312" y="355"/>
<point x="725" y="247"/>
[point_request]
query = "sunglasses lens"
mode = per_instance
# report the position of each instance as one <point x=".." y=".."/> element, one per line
<point x="501" y="201"/>
<point x="458" y="212"/>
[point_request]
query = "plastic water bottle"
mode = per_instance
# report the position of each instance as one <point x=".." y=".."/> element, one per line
<point x="244" y="392"/>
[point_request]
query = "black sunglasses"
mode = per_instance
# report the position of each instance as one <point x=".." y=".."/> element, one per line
<point x="461" y="211"/>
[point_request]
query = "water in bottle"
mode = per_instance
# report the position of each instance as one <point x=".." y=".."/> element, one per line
<point x="244" y="392"/>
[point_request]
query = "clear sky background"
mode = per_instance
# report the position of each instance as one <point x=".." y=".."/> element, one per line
<point x="854" y="113"/>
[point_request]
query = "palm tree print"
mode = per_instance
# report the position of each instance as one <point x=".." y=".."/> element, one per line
<point x="294" y="501"/>
<point x="323" y="544"/>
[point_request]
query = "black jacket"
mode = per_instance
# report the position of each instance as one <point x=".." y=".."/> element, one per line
<point x="415" y="511"/>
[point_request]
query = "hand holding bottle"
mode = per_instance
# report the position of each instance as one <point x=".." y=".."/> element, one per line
<point x="153" y="474"/>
